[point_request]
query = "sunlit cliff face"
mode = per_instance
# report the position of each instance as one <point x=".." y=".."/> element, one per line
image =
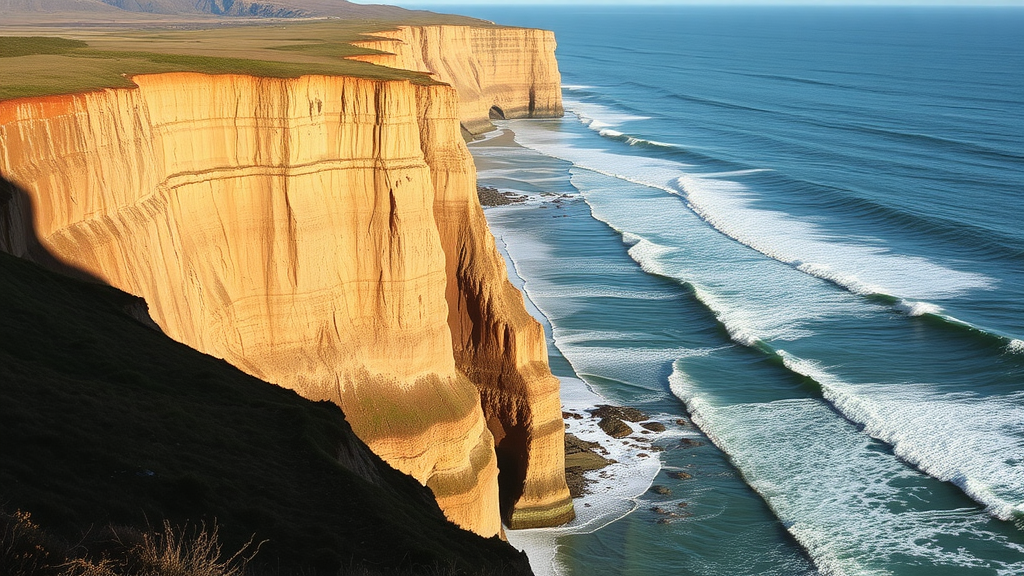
<point x="321" y="233"/>
<point x="497" y="72"/>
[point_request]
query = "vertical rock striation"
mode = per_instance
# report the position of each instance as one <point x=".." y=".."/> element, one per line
<point x="322" y="233"/>
<point x="498" y="72"/>
<point x="496" y="343"/>
<point x="512" y="72"/>
<point x="286" y="226"/>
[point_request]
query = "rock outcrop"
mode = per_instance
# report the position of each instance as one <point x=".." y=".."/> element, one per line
<point x="498" y="72"/>
<point x="321" y="233"/>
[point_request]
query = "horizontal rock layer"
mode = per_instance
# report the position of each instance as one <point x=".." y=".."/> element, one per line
<point x="507" y="72"/>
<point x="497" y="344"/>
<point x="286" y="226"/>
<point x="324" y="234"/>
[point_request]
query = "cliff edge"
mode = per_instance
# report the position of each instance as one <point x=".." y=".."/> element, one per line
<point x="321" y="233"/>
<point x="498" y="72"/>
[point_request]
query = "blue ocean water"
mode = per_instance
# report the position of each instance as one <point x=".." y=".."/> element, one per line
<point x="804" y="229"/>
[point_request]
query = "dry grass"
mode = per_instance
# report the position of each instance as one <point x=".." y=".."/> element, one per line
<point x="166" y="553"/>
<point x="26" y="549"/>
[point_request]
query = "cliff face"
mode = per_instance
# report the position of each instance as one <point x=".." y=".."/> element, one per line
<point x="498" y="72"/>
<point x="496" y="342"/>
<point x="321" y="233"/>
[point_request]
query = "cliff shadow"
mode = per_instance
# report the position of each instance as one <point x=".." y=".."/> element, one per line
<point x="19" y="237"/>
<point x="512" y="453"/>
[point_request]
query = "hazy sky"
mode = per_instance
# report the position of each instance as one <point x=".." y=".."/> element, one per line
<point x="412" y="3"/>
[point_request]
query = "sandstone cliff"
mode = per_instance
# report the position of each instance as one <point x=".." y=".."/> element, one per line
<point x="508" y="73"/>
<point x="321" y="233"/>
<point x="498" y="72"/>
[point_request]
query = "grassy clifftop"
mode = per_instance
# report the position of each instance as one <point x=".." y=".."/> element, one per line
<point x="105" y="421"/>
<point x="40" y="60"/>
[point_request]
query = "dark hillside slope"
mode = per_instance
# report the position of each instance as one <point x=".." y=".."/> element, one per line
<point x="105" y="421"/>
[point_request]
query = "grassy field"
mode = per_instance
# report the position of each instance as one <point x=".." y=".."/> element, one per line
<point x="37" y="61"/>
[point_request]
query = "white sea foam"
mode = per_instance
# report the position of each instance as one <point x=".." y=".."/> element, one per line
<point x="911" y="308"/>
<point x="614" y="490"/>
<point x="863" y="267"/>
<point x="629" y="239"/>
<point x="500" y="131"/>
<point x="727" y="297"/>
<point x="597" y="116"/>
<point x="746" y="325"/>
<point x="970" y="440"/>
<point x="850" y="505"/>
<point x="1015" y="346"/>
<point x="745" y="296"/>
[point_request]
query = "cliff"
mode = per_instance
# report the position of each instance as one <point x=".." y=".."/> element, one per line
<point x="109" y="427"/>
<point x="321" y="233"/>
<point x="506" y="73"/>
<point x="498" y="72"/>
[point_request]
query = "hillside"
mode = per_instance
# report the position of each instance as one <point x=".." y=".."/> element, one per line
<point x="214" y="8"/>
<point x="104" y="420"/>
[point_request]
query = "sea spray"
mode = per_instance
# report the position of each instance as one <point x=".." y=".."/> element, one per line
<point x="612" y="491"/>
<point x="839" y="496"/>
<point x="908" y="166"/>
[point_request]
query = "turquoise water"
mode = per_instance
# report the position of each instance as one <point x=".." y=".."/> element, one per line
<point x="801" y="228"/>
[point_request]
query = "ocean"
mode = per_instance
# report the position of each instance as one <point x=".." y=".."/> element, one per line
<point x="799" y="232"/>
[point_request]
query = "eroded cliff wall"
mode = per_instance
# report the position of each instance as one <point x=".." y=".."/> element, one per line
<point x="496" y="342"/>
<point x="286" y="226"/>
<point x="322" y="233"/>
<point x="511" y="71"/>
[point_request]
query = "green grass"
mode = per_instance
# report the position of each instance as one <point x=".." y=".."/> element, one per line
<point x="11" y="46"/>
<point x="106" y="422"/>
<point x="85" y="59"/>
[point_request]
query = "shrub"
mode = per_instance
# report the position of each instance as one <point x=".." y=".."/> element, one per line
<point x="26" y="549"/>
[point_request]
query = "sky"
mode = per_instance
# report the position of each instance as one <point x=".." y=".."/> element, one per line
<point x="414" y="3"/>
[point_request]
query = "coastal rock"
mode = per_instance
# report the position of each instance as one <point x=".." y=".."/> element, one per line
<point x="498" y="72"/>
<point x="321" y="233"/>
<point x="620" y="412"/>
<point x="667" y="515"/>
<point x="614" y="427"/>
<point x="581" y="457"/>
<point x="493" y="197"/>
<point x="654" y="426"/>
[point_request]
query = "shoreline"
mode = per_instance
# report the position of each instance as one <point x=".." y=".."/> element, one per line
<point x="610" y="473"/>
